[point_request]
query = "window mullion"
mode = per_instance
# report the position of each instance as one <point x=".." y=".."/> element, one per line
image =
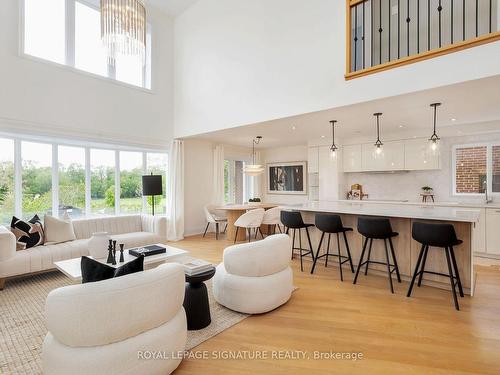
<point x="88" y="183"/>
<point x="70" y="33"/>
<point x="55" y="181"/>
<point x="489" y="168"/>
<point x="117" y="182"/>
<point x="18" y="183"/>
<point x="144" y="172"/>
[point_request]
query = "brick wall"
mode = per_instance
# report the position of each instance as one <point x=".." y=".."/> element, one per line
<point x="471" y="169"/>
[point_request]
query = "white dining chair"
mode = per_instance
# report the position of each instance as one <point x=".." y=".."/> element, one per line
<point x="216" y="217"/>
<point x="272" y="219"/>
<point x="250" y="220"/>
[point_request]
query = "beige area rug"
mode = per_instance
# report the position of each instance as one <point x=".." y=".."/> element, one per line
<point x="22" y="327"/>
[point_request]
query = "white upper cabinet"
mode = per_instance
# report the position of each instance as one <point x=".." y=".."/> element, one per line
<point x="313" y="160"/>
<point x="418" y="155"/>
<point x="352" y="158"/>
<point x="328" y="175"/>
<point x="408" y="155"/>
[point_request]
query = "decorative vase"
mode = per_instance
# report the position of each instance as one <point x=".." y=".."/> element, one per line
<point x="98" y="245"/>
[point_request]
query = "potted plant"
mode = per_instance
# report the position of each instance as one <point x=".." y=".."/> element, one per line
<point x="427" y="190"/>
<point x="254" y="201"/>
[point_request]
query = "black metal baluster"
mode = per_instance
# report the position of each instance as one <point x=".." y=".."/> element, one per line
<point x="477" y="17"/>
<point x="490" y="19"/>
<point x="399" y="30"/>
<point x="372" y="29"/>
<point x="355" y="38"/>
<point x="440" y="8"/>
<point x="428" y="25"/>
<point x="380" y="32"/>
<point x="363" y="35"/>
<point x="463" y="19"/>
<point x="408" y="28"/>
<point x="418" y="26"/>
<point x="390" y="19"/>
<point x="452" y="1"/>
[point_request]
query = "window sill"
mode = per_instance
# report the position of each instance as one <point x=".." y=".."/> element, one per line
<point x="84" y="73"/>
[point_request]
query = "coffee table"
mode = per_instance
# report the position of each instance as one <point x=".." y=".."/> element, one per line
<point x="196" y="302"/>
<point x="72" y="267"/>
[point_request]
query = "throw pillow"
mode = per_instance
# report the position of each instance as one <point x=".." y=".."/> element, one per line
<point x="57" y="230"/>
<point x="92" y="270"/>
<point x="28" y="233"/>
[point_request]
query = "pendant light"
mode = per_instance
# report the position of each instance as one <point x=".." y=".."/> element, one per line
<point x="378" y="144"/>
<point x="254" y="169"/>
<point x="434" y="139"/>
<point x="333" y="147"/>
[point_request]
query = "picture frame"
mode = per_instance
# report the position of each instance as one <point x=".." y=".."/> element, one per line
<point x="287" y="178"/>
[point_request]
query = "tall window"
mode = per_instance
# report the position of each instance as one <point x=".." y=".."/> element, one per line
<point x="73" y="37"/>
<point x="6" y="180"/>
<point x="157" y="164"/>
<point x="476" y="167"/>
<point x="71" y="181"/>
<point x="36" y="178"/>
<point x="237" y="186"/>
<point x="102" y="181"/>
<point x="131" y="172"/>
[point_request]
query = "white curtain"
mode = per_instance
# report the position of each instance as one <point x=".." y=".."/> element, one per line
<point x="218" y="173"/>
<point x="175" y="192"/>
<point x="258" y="180"/>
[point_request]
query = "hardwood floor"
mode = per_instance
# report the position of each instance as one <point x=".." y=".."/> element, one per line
<point x="423" y="334"/>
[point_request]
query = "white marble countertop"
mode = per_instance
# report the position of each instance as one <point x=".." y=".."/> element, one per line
<point x="424" y="212"/>
<point x="494" y="205"/>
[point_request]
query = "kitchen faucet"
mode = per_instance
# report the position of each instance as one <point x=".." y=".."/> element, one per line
<point x="486" y="199"/>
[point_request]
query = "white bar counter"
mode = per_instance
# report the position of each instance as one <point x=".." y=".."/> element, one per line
<point x="402" y="217"/>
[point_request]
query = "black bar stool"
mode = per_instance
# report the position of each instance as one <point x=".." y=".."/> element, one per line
<point x="441" y="236"/>
<point x="293" y="220"/>
<point x="377" y="229"/>
<point x="332" y="224"/>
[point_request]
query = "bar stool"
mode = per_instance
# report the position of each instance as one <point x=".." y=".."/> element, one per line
<point x="293" y="220"/>
<point x="441" y="236"/>
<point x="377" y="229"/>
<point x="332" y="224"/>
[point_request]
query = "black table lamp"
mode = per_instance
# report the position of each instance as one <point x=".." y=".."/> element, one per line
<point x="152" y="185"/>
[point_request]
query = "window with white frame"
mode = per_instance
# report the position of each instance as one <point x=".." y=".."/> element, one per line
<point x="476" y="168"/>
<point x="42" y="177"/>
<point x="68" y="32"/>
<point x="238" y="187"/>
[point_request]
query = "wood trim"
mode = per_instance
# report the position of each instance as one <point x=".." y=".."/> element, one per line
<point x="352" y="3"/>
<point x="348" y="38"/>
<point x="489" y="38"/>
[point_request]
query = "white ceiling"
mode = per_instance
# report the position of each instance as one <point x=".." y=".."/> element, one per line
<point x="475" y="106"/>
<point x="172" y="7"/>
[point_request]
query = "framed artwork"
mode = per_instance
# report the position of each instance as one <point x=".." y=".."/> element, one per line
<point x="287" y="178"/>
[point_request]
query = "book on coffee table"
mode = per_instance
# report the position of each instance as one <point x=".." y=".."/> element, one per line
<point x="196" y="266"/>
<point x="147" y="250"/>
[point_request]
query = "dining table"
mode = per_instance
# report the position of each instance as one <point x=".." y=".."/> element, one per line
<point x="234" y="211"/>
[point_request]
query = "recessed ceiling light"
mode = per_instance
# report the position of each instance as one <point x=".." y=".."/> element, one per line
<point x="322" y="136"/>
<point x="293" y="127"/>
<point x="401" y="126"/>
<point x="453" y="119"/>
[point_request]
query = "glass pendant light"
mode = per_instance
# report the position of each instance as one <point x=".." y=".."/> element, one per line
<point x="333" y="147"/>
<point x="379" y="151"/>
<point x="434" y="139"/>
<point x="254" y="169"/>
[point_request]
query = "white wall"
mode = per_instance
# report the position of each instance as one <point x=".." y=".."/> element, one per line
<point x="407" y="185"/>
<point x="282" y="154"/>
<point x="44" y="98"/>
<point x="240" y="62"/>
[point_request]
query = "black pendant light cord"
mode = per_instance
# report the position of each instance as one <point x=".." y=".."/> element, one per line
<point x="434" y="137"/>
<point x="255" y="141"/>
<point x="379" y="142"/>
<point x="334" y="146"/>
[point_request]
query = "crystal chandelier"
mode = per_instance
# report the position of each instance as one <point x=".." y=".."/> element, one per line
<point x="254" y="169"/>
<point x="123" y="28"/>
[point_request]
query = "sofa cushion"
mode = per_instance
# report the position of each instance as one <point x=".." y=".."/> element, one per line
<point x="84" y="228"/>
<point x="137" y="239"/>
<point x="58" y="230"/>
<point x="28" y="233"/>
<point x="92" y="270"/>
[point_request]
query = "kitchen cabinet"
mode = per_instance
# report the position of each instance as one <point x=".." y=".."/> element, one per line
<point x="479" y="233"/>
<point x="328" y="175"/>
<point x="394" y="156"/>
<point x="351" y="155"/>
<point x="419" y="156"/>
<point x="493" y="231"/>
<point x="313" y="160"/>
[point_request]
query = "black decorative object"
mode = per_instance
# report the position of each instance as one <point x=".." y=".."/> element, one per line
<point x="434" y="139"/>
<point x="93" y="270"/>
<point x="28" y="233"/>
<point x="121" y="253"/>
<point x="378" y="144"/>
<point x="114" y="253"/>
<point x="110" y="252"/>
<point x="333" y="147"/>
<point x="196" y="300"/>
<point x="147" y="251"/>
<point x="151" y="186"/>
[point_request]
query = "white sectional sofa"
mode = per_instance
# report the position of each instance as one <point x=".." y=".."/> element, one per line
<point x="132" y="230"/>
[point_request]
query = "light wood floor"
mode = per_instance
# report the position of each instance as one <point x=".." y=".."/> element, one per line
<point x="419" y="335"/>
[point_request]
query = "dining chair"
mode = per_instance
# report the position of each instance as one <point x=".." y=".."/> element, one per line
<point x="250" y="220"/>
<point x="272" y="219"/>
<point x="216" y="217"/>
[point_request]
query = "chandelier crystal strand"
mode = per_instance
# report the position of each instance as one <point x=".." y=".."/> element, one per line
<point x="123" y="29"/>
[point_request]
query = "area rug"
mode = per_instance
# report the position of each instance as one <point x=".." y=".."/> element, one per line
<point x="23" y="329"/>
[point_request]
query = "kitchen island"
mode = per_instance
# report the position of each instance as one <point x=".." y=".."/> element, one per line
<point x="406" y="249"/>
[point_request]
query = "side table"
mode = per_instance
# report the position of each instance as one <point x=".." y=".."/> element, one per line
<point x="196" y="300"/>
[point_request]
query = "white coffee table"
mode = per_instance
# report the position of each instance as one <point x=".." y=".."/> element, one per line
<point x="72" y="267"/>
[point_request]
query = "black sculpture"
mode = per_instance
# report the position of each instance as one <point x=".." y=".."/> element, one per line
<point x="121" y="253"/>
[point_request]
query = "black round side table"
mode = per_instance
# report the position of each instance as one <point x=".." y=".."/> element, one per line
<point x="196" y="300"/>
